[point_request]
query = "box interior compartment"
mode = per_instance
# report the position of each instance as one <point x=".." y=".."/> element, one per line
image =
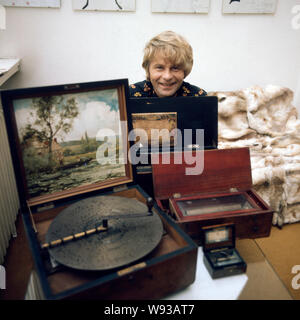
<point x="226" y="176"/>
<point x="63" y="279"/>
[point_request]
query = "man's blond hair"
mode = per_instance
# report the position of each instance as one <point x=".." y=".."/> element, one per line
<point x="173" y="47"/>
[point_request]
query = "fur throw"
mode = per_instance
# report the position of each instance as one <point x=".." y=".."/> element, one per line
<point x="265" y="120"/>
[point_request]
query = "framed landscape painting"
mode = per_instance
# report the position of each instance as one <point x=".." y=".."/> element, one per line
<point x="157" y="126"/>
<point x="68" y="139"/>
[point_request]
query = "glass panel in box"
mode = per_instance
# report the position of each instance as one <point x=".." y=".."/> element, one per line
<point x="215" y="204"/>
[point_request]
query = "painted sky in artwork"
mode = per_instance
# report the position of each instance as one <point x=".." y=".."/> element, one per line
<point x="97" y="110"/>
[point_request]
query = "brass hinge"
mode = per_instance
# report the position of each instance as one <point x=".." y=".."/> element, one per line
<point x="176" y="195"/>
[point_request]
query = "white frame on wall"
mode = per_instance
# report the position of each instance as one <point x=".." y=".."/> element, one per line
<point x="179" y="6"/>
<point x="250" y="6"/>
<point x="104" y="5"/>
<point x="31" y="3"/>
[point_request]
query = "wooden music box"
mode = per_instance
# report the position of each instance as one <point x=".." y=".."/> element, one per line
<point x="218" y="191"/>
<point x="219" y="253"/>
<point x="90" y="232"/>
<point x="170" y="124"/>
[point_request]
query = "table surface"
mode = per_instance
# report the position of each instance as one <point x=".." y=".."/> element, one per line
<point x="206" y="288"/>
<point x="260" y="282"/>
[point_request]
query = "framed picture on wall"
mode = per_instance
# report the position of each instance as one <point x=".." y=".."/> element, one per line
<point x="32" y="3"/>
<point x="179" y="6"/>
<point x="104" y="5"/>
<point x="249" y="6"/>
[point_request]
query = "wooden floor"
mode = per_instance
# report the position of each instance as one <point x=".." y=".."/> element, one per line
<point x="282" y="250"/>
<point x="18" y="264"/>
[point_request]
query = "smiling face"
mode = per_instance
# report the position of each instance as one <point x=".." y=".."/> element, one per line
<point x="165" y="76"/>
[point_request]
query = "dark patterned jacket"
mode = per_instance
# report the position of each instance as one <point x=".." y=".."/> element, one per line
<point x="145" y="89"/>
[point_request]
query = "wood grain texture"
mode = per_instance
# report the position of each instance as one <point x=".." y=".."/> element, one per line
<point x="223" y="169"/>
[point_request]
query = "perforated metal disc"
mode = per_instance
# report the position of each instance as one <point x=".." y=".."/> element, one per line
<point x="125" y="241"/>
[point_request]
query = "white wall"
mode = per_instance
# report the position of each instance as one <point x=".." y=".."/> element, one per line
<point x="231" y="51"/>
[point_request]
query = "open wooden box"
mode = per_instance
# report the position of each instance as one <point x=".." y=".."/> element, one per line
<point x="221" y="193"/>
<point x="188" y="115"/>
<point x="51" y="177"/>
<point x="169" y="268"/>
<point x="220" y="256"/>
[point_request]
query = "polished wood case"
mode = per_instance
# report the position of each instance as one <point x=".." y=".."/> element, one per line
<point x="171" y="266"/>
<point x="226" y="174"/>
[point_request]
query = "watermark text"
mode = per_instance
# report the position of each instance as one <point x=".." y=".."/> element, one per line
<point x="113" y="148"/>
<point x="296" y="278"/>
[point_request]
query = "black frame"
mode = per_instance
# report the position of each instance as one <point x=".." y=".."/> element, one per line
<point x="192" y="113"/>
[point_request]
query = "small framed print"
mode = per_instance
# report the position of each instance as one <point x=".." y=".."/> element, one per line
<point x="104" y="5"/>
<point x="67" y="140"/>
<point x="157" y="128"/>
<point x="249" y="6"/>
<point x="218" y="235"/>
<point x="31" y="3"/>
<point x="179" y="6"/>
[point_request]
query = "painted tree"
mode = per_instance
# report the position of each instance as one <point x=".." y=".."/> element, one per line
<point x="53" y="115"/>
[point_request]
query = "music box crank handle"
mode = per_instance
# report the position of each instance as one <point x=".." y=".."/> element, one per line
<point x="104" y="227"/>
<point x="150" y="204"/>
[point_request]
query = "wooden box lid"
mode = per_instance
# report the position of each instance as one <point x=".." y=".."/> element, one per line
<point x="223" y="170"/>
